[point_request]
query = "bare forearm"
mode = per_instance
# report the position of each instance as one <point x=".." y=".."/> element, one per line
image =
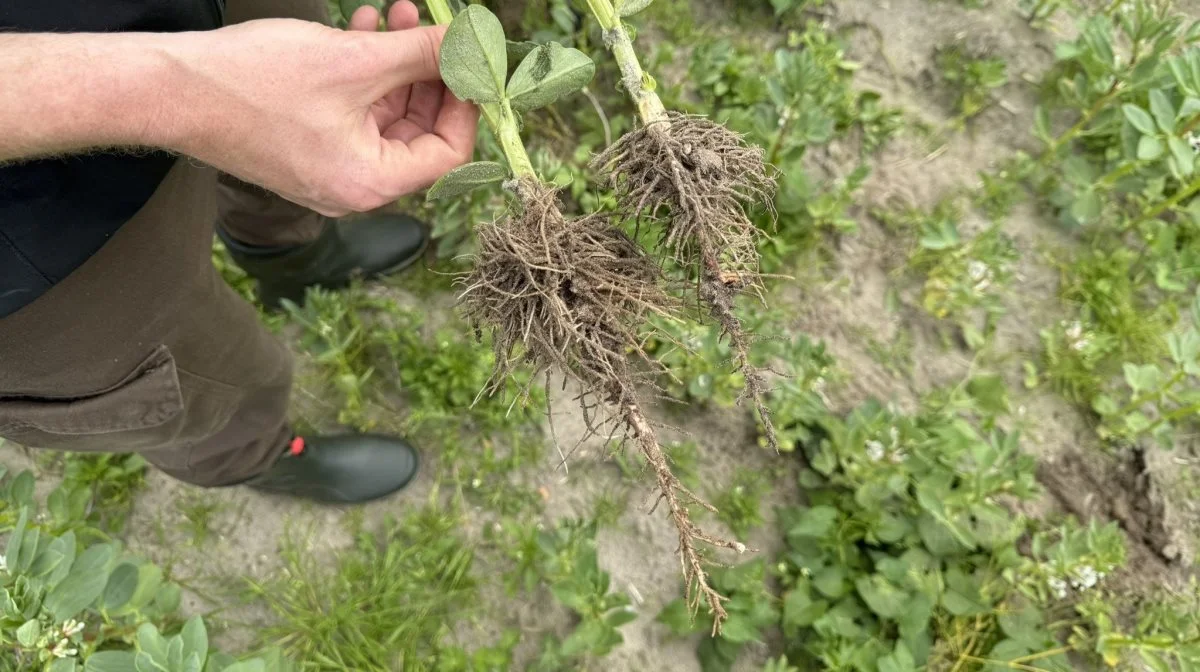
<point x="72" y="92"/>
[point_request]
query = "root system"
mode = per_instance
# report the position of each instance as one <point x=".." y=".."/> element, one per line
<point x="572" y="295"/>
<point x="706" y="176"/>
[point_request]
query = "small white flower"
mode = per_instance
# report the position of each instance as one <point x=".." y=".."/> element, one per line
<point x="898" y="457"/>
<point x="1059" y="587"/>
<point x="63" y="649"/>
<point x="981" y="274"/>
<point x="1074" y="330"/>
<point x="875" y="451"/>
<point x="476" y="483"/>
<point x="739" y="547"/>
<point x="1085" y="577"/>
<point x="1194" y="141"/>
<point x="1077" y="339"/>
<point x="71" y="628"/>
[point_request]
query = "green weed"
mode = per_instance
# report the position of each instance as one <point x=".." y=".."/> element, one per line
<point x="740" y="505"/>
<point x="971" y="79"/>
<point x="388" y="603"/>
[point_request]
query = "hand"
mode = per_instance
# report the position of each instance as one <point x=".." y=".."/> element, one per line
<point x="336" y="121"/>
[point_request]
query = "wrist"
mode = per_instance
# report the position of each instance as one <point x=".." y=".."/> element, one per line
<point x="156" y="102"/>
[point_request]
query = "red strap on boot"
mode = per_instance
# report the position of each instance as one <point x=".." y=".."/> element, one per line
<point x="296" y="446"/>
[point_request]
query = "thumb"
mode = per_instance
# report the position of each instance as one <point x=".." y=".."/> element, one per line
<point x="407" y="57"/>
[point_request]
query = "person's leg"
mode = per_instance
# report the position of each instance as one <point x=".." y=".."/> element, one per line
<point x="145" y="349"/>
<point x="288" y="248"/>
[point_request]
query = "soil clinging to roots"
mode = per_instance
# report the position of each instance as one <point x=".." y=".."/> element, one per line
<point x="572" y="295"/>
<point x="706" y="176"/>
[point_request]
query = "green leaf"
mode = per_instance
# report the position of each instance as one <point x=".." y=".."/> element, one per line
<point x="900" y="660"/>
<point x="678" y="618"/>
<point x="915" y="619"/>
<point x="940" y="235"/>
<point x="28" y="633"/>
<point x="153" y="644"/>
<point x="990" y="393"/>
<point x="85" y="583"/>
<point x="1154" y="661"/>
<point x="962" y="596"/>
<point x="21" y="491"/>
<point x="144" y="662"/>
<point x="549" y="73"/>
<point x="64" y="545"/>
<point x="619" y="617"/>
<point x="110" y="661"/>
<point x="168" y="597"/>
<point x="195" y="638"/>
<point x="881" y="596"/>
<point x="1024" y="624"/>
<point x="64" y="665"/>
<point x="814" y="523"/>
<point x="257" y="664"/>
<point x="831" y="581"/>
<point x="800" y="610"/>
<point x="1087" y="207"/>
<point x="1105" y="405"/>
<point x="1185" y="157"/>
<point x="630" y="7"/>
<point x="1150" y="148"/>
<point x="1041" y="124"/>
<point x="193" y="663"/>
<point x="121" y="586"/>
<point x="29" y="551"/>
<point x="1143" y="378"/>
<point x="1140" y="119"/>
<point x="517" y="51"/>
<point x="149" y="581"/>
<point x="891" y="527"/>
<point x="465" y="179"/>
<point x="1163" y="110"/>
<point x="474" y="56"/>
<point x="174" y="653"/>
<point x="738" y="628"/>
<point x="15" y="539"/>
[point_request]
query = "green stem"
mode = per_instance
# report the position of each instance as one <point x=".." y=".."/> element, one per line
<point x="440" y="10"/>
<point x="498" y="116"/>
<point x="1086" y="119"/>
<point x="1146" y="397"/>
<point x="1180" y="196"/>
<point x="1189" y="126"/>
<point x="637" y="83"/>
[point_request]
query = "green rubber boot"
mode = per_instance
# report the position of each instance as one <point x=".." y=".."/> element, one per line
<point x="348" y="469"/>
<point x="366" y="248"/>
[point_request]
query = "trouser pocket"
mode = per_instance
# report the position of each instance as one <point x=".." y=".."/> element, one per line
<point x="143" y="411"/>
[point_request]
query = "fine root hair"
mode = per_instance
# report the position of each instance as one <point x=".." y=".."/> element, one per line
<point x="705" y="177"/>
<point x="572" y="294"/>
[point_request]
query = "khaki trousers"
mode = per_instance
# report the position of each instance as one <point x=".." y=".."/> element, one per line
<point x="145" y="349"/>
